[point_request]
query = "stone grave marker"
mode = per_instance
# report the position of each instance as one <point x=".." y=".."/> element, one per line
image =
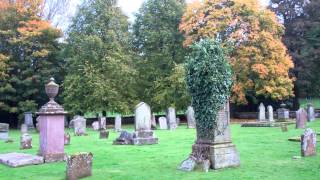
<point x="301" y="118"/>
<point x="163" y="123"/>
<point x="117" y="123"/>
<point x="284" y="128"/>
<point x="80" y="126"/>
<point x="79" y="166"/>
<point x="153" y="122"/>
<point x="125" y="138"/>
<point x="270" y="114"/>
<point x="103" y="122"/>
<point x="262" y="112"/>
<point x="190" y="117"/>
<point x="20" y="159"/>
<point x="67" y="138"/>
<point x="26" y="141"/>
<point x="283" y="113"/>
<point x="4" y="131"/>
<point x="28" y="120"/>
<point x="95" y="125"/>
<point x="308" y="143"/>
<point x="24" y="129"/>
<point x="311" y="113"/>
<point x="171" y="118"/>
<point x="104" y="134"/>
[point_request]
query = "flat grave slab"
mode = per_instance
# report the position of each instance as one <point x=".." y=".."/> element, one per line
<point x="266" y="124"/>
<point x="20" y="159"/>
<point x="298" y="139"/>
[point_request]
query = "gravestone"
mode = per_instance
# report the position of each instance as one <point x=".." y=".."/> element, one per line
<point x="117" y="123"/>
<point x="153" y="122"/>
<point x="104" y="134"/>
<point x="270" y="114"/>
<point x="95" y="125"/>
<point x="171" y="118"/>
<point x="103" y="122"/>
<point x="79" y="166"/>
<point x="4" y="131"/>
<point x="28" y="120"/>
<point x="51" y="124"/>
<point x="143" y="133"/>
<point x="125" y="138"/>
<point x="24" y="129"/>
<point x="67" y="138"/>
<point x="262" y="112"/>
<point x="283" y="113"/>
<point x="25" y="141"/>
<point x="301" y="118"/>
<point x="190" y="117"/>
<point x="284" y="128"/>
<point x="19" y="159"/>
<point x="163" y="123"/>
<point x="79" y="126"/>
<point x="311" y="113"/>
<point x="308" y="143"/>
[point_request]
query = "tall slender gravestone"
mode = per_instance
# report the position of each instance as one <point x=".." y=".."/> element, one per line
<point x="103" y="122"/>
<point x="262" y="112"/>
<point x="28" y="120"/>
<point x="190" y="117"/>
<point x="308" y="143"/>
<point x="171" y="118"/>
<point x="301" y="118"/>
<point x="270" y="114"/>
<point x="311" y="114"/>
<point x="51" y="125"/>
<point x="117" y="123"/>
<point x="143" y="133"/>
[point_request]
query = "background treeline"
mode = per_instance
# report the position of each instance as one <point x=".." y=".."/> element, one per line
<point x="105" y="63"/>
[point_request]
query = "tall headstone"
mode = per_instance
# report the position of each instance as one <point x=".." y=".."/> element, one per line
<point x="311" y="113"/>
<point x="190" y="117"/>
<point x="103" y="122"/>
<point x="308" y="143"/>
<point x="4" y="131"/>
<point x="51" y="124"/>
<point x="117" y="123"/>
<point x="171" y="118"/>
<point x="283" y="113"/>
<point x="262" y="112"/>
<point x="163" y="123"/>
<point x="270" y="114"/>
<point x="80" y="126"/>
<point x="28" y="120"/>
<point x="143" y="133"/>
<point x="219" y="151"/>
<point x="79" y="166"/>
<point x="301" y="118"/>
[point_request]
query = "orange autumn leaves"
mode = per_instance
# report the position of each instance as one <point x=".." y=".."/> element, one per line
<point x="259" y="59"/>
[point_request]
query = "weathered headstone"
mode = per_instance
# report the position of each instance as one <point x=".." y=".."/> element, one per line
<point x="103" y="122"/>
<point x="270" y="114"/>
<point x="19" y="159"/>
<point x="308" y="143"/>
<point x="104" y="134"/>
<point x="171" y="118"/>
<point x="163" y="123"/>
<point x="28" y="120"/>
<point x="283" y="113"/>
<point x="143" y="133"/>
<point x="51" y="124"/>
<point x="67" y="138"/>
<point x="79" y="126"/>
<point x="153" y="122"/>
<point x="262" y="112"/>
<point x="95" y="125"/>
<point x="117" y="123"/>
<point x="301" y="118"/>
<point x="79" y="166"/>
<point x="190" y="117"/>
<point x="24" y="129"/>
<point x="125" y="138"/>
<point x="311" y="113"/>
<point x="4" y="131"/>
<point x="25" y="141"/>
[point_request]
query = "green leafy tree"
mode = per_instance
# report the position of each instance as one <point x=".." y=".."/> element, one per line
<point x="100" y="72"/>
<point x="28" y="56"/>
<point x="209" y="81"/>
<point x="158" y="44"/>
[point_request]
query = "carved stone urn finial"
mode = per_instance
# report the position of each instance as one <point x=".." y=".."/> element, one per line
<point x="52" y="89"/>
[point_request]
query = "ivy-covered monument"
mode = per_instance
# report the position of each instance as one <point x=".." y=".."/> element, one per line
<point x="209" y="80"/>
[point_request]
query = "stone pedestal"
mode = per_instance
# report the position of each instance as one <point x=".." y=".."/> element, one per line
<point x="283" y="113"/>
<point x="144" y="137"/>
<point x="51" y="125"/>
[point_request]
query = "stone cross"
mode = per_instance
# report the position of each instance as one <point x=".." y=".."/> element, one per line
<point x="117" y="123"/>
<point x="142" y="117"/>
<point x="311" y="113"/>
<point x="301" y="118"/>
<point x="190" y="117"/>
<point x="79" y="166"/>
<point x="270" y="114"/>
<point x="80" y="125"/>
<point x="262" y="112"/>
<point x="308" y="143"/>
<point x="28" y="120"/>
<point x="171" y="118"/>
<point x="163" y="123"/>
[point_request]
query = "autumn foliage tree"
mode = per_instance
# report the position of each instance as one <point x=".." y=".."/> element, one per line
<point x="258" y="57"/>
<point x="28" y="50"/>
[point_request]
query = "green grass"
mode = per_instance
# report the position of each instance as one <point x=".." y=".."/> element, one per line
<point x="265" y="153"/>
<point x="314" y="101"/>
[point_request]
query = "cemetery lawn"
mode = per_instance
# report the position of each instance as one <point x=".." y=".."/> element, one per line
<point x="265" y="153"/>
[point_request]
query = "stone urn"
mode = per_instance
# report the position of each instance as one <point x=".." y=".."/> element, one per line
<point x="52" y="89"/>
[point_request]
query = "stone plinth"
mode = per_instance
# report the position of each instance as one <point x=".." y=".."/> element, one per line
<point x="145" y="137"/>
<point x="79" y="166"/>
<point x="283" y="113"/>
<point x="19" y="159"/>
